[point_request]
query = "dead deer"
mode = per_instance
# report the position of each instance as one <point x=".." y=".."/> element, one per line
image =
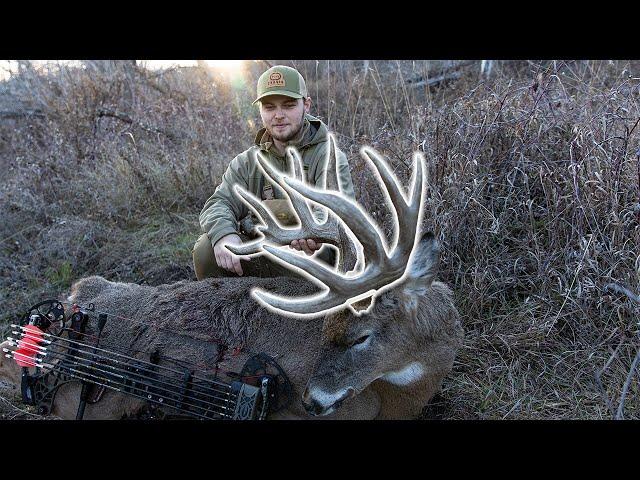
<point x="389" y="334"/>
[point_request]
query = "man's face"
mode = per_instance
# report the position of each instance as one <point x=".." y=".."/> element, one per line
<point x="283" y="116"/>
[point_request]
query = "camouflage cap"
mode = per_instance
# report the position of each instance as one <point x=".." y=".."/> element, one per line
<point x="281" y="80"/>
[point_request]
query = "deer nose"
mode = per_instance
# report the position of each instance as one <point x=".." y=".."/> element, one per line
<point x="310" y="405"/>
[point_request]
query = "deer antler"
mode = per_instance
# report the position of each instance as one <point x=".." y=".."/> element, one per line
<point x="382" y="268"/>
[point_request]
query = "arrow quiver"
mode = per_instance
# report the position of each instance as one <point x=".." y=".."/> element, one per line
<point x="39" y="383"/>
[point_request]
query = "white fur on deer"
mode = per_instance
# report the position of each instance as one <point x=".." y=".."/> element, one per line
<point x="409" y="374"/>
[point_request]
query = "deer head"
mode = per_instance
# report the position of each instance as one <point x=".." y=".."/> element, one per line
<point x="397" y="340"/>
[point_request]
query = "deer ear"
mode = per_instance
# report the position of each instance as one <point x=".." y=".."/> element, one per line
<point x="424" y="264"/>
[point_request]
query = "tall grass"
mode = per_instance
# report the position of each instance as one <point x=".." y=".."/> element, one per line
<point x="533" y="189"/>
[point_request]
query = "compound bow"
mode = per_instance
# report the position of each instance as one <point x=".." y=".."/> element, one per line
<point x="53" y="354"/>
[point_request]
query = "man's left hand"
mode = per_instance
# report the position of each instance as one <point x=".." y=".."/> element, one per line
<point x="309" y="246"/>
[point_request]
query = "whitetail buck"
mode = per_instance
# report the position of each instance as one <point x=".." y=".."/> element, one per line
<point x="379" y="357"/>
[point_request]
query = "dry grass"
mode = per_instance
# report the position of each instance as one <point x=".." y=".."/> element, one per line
<point x="534" y="190"/>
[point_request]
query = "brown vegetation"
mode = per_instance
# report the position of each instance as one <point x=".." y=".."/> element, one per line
<point x="534" y="192"/>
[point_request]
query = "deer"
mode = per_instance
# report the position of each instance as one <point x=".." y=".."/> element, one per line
<point x="371" y="338"/>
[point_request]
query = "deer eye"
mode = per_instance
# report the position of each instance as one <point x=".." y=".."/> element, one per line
<point x="360" y="340"/>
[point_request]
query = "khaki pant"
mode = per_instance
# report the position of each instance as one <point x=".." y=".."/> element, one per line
<point x="205" y="266"/>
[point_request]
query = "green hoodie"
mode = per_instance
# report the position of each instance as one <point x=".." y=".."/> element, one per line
<point x="223" y="210"/>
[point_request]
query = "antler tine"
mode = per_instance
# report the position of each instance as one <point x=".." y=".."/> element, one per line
<point x="409" y="219"/>
<point x="406" y="209"/>
<point x="298" y="203"/>
<point x="321" y="215"/>
<point x="412" y="220"/>
<point x="388" y="178"/>
<point x="292" y="153"/>
<point x="272" y="232"/>
<point x="330" y="172"/>
<point x="265" y="216"/>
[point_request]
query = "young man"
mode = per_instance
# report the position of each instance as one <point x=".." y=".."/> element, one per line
<point x="284" y="109"/>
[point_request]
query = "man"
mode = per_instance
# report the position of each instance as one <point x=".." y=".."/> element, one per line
<point x="284" y="109"/>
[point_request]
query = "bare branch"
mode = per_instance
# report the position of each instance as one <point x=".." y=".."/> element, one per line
<point x="21" y="113"/>
<point x="432" y="82"/>
<point x="624" y="290"/>
<point x="627" y="384"/>
<point x="598" y="377"/>
<point x="103" y="112"/>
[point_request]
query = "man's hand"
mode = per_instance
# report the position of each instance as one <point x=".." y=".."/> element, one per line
<point x="309" y="246"/>
<point x="227" y="260"/>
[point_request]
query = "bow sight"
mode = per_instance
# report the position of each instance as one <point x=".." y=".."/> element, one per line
<point x="54" y="350"/>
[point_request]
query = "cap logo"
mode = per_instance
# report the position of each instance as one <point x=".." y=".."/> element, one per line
<point x="275" y="80"/>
